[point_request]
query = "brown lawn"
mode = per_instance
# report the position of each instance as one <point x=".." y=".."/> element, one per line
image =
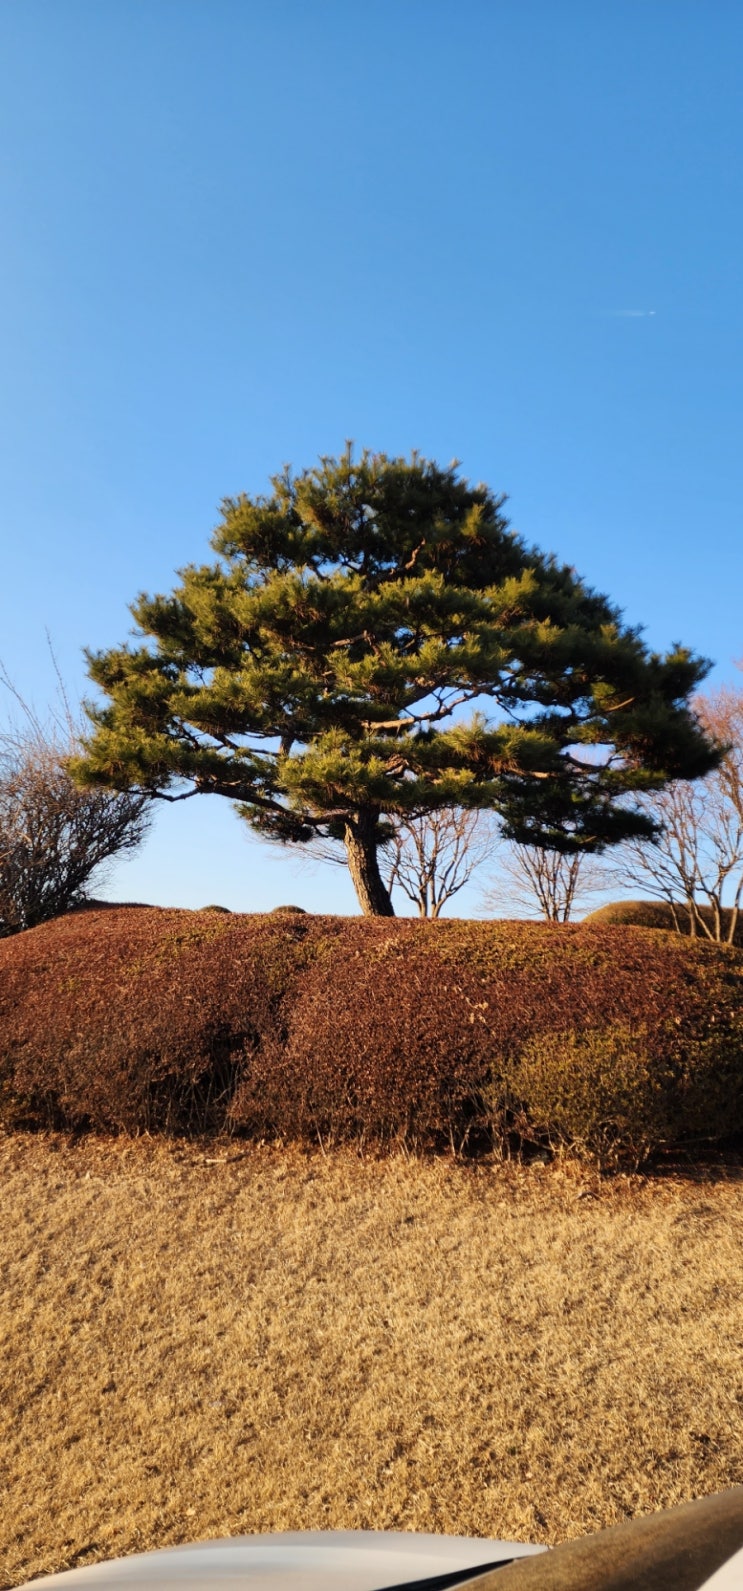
<point x="213" y="1341"/>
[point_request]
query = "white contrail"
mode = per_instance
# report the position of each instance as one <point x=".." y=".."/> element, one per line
<point x="630" y="314"/>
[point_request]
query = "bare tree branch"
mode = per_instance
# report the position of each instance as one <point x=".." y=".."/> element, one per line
<point x="432" y="856"/>
<point x="552" y="881"/>
<point x="54" y="837"/>
<point x="696" y="864"/>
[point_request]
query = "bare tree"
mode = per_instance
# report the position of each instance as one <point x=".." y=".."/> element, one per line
<point x="434" y="854"/>
<point x="696" y="863"/>
<point x="553" y="881"/>
<point x="54" y="837"/>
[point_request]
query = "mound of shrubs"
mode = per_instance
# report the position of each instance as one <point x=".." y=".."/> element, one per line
<point x="610" y="1041"/>
<point x="660" y="914"/>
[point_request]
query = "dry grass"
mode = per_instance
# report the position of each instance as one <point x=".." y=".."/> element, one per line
<point x="204" y="1342"/>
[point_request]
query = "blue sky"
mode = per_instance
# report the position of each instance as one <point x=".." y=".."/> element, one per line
<point x="235" y="233"/>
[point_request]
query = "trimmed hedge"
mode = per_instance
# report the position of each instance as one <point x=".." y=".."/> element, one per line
<point x="658" y="914"/>
<point x="612" y="1096"/>
<point x="614" y="1041"/>
<point x="140" y="1020"/>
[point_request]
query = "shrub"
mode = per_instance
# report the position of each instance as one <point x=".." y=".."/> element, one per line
<point x="618" y="1095"/>
<point x="382" y="1042"/>
<point x="140" y="1020"/>
<point x="55" y="838"/>
<point x="599" y="1092"/>
<point x="660" y="914"/>
<point x="413" y="1030"/>
<point x="427" y="1033"/>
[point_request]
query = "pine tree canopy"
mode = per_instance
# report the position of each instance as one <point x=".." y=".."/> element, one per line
<point x="373" y="641"/>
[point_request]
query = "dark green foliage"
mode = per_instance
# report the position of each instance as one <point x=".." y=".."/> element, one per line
<point x="374" y="642"/>
<point x="615" y="1041"/>
<point x="660" y="914"/>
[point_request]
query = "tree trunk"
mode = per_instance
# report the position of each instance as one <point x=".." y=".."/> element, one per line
<point x="363" y="865"/>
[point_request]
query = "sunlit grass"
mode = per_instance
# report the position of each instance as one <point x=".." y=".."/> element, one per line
<point x="213" y="1341"/>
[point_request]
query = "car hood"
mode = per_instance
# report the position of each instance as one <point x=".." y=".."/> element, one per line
<point x="312" y="1560"/>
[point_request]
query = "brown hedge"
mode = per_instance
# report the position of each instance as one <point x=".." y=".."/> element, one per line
<point x="141" y="1019"/>
<point x="289" y="1024"/>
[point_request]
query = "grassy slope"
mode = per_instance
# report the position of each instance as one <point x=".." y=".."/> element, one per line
<point x="209" y="1342"/>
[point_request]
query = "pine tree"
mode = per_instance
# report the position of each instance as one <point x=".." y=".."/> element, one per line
<point x="372" y="642"/>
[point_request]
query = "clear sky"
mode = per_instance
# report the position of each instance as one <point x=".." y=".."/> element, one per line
<point x="236" y="232"/>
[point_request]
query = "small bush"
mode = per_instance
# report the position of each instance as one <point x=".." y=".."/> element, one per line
<point x="55" y="838"/>
<point x="599" y="1092"/>
<point x="382" y="1042"/>
<point x="618" y="1096"/>
<point x="660" y="914"/>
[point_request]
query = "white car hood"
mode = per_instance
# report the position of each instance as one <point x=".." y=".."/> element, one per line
<point x="313" y="1560"/>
